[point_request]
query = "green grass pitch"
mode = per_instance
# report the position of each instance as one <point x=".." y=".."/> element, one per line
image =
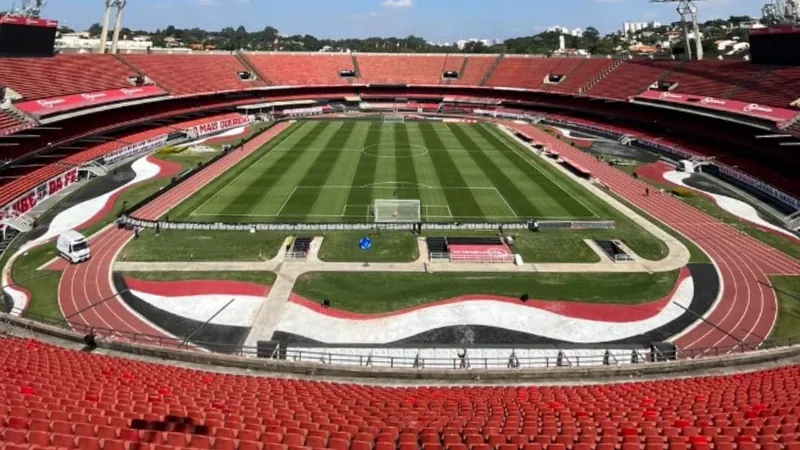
<point x="332" y="171"/>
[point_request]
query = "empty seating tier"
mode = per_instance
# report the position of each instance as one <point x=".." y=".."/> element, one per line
<point x="587" y="71"/>
<point x="631" y="78"/>
<point x="8" y="123"/>
<point x="712" y="78"/>
<point x="477" y="67"/>
<point x="56" y="398"/>
<point x="36" y="78"/>
<point x="453" y="62"/>
<point x="401" y="69"/>
<point x="778" y="87"/>
<point x="528" y="72"/>
<point x="194" y="74"/>
<point x="301" y="68"/>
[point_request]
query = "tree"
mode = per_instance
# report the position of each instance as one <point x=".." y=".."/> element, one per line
<point x="95" y="30"/>
<point x="159" y="41"/>
<point x="591" y="35"/>
<point x="475" y="47"/>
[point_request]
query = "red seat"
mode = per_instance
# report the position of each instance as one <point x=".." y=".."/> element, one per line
<point x="13" y="436"/>
<point x="111" y="444"/>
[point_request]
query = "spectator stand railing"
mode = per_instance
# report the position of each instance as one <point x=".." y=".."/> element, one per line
<point x="531" y="225"/>
<point x="507" y="356"/>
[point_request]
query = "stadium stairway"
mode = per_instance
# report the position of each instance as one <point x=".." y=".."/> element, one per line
<point x="194" y="73"/>
<point x="764" y="72"/>
<point x="52" y="397"/>
<point x="301" y="69"/>
<point x="491" y="70"/>
<point x="593" y="80"/>
<point x="356" y="68"/>
<point x="252" y="67"/>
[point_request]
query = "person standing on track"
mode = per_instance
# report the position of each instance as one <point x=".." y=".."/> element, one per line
<point x="647" y="192"/>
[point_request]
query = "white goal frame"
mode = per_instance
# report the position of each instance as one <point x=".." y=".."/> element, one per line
<point x="393" y="118"/>
<point x="397" y="211"/>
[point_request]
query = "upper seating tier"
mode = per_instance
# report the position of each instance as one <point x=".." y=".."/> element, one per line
<point x="529" y="72"/>
<point x="477" y="67"/>
<point x="301" y="69"/>
<point x="193" y="74"/>
<point x="37" y="78"/>
<point x="56" y="398"/>
<point x="401" y="69"/>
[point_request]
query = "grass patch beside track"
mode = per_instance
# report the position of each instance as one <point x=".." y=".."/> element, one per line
<point x="265" y="278"/>
<point x="42" y="285"/>
<point x="186" y="245"/>
<point x="787" y="288"/>
<point x="387" y="246"/>
<point x="386" y="292"/>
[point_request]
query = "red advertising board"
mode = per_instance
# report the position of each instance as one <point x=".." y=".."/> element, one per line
<point x="218" y="125"/>
<point x="753" y="110"/>
<point x="68" y="102"/>
<point x="29" y="21"/>
<point x="490" y="253"/>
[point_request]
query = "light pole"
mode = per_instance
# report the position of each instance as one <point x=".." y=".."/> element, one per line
<point x="688" y="14"/>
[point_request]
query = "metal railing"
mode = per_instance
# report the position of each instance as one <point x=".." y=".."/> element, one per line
<point x="126" y="219"/>
<point x="513" y="357"/>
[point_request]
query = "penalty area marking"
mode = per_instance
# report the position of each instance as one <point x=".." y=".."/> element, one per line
<point x="441" y="207"/>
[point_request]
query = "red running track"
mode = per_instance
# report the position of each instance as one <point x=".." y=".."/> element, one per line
<point x="747" y="308"/>
<point x="85" y="284"/>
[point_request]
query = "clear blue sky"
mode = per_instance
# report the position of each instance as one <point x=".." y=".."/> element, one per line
<point x="436" y="20"/>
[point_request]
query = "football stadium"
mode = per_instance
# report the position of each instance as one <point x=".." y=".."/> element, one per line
<point x="255" y="241"/>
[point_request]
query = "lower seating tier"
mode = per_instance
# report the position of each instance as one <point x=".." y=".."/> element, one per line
<point x="53" y="397"/>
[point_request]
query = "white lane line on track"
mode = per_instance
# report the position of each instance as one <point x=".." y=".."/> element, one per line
<point x="749" y="248"/>
<point x="118" y="239"/>
<point x="626" y="192"/>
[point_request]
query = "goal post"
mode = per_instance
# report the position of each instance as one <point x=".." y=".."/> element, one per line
<point x="397" y="211"/>
<point x="393" y="118"/>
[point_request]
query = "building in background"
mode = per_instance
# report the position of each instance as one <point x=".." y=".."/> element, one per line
<point x="633" y="27"/>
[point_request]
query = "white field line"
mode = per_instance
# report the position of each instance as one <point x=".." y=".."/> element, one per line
<point x="477" y="188"/>
<point x="288" y="197"/>
<point x="256" y="163"/>
<point x="506" y="202"/>
<point x="443" y="207"/>
<point x="495" y="131"/>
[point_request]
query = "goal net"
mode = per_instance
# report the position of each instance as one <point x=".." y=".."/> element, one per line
<point x="393" y="210"/>
<point x="393" y="118"/>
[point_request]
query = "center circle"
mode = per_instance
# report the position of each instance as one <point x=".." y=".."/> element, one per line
<point x="395" y="151"/>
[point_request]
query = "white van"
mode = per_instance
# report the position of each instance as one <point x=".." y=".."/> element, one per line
<point x="73" y="246"/>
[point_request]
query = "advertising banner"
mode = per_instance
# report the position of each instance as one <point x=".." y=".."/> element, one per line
<point x="54" y="105"/>
<point x="753" y="110"/>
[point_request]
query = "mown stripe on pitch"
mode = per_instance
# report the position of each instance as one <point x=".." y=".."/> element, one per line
<point x="251" y="195"/>
<point x="404" y="163"/>
<point x="302" y="202"/>
<point x="512" y="194"/>
<point x="565" y="200"/>
<point x="224" y="181"/>
<point x="365" y="173"/>
<point x="461" y="201"/>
